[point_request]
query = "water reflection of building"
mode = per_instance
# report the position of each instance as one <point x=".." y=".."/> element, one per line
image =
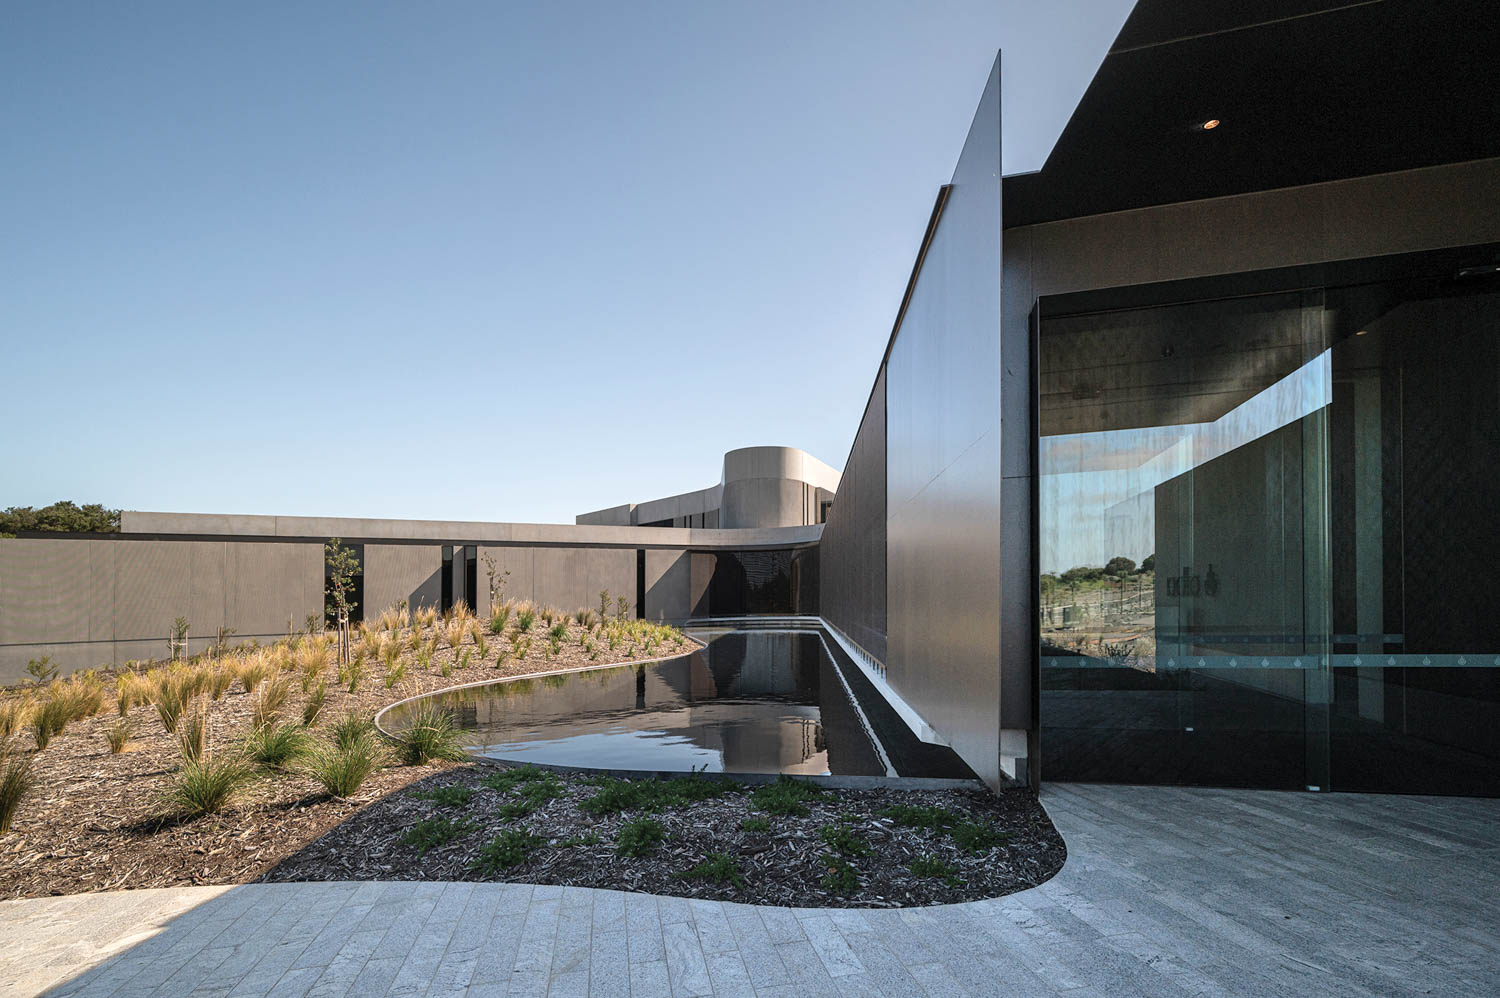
<point x="752" y="700"/>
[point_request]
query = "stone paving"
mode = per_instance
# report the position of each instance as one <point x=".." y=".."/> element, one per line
<point x="1165" y="892"/>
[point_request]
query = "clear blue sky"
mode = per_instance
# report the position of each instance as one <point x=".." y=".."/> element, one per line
<point x="492" y="261"/>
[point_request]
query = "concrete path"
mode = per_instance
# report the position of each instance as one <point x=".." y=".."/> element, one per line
<point x="1166" y="892"/>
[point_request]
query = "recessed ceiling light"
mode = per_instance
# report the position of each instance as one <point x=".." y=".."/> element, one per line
<point x="1210" y="124"/>
<point x="1361" y="332"/>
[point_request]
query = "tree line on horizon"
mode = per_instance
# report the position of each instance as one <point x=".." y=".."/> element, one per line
<point x="62" y="516"/>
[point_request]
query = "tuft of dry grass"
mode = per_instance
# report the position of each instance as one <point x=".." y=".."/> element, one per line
<point x="170" y="690"/>
<point x="273" y="695"/>
<point x="16" y="781"/>
<point x="254" y="669"/>
<point x="206" y="785"/>
<point x="49" y="719"/>
<point x="192" y="731"/>
<point x="314" y="705"/>
<point x="129" y="691"/>
<point x="117" y="736"/>
<point x="312" y="660"/>
<point x="15" y="715"/>
<point x="216" y="681"/>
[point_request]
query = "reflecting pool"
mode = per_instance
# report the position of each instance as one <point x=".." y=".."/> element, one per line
<point x="749" y="702"/>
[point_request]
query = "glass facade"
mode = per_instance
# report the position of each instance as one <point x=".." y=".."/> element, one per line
<point x="1267" y="534"/>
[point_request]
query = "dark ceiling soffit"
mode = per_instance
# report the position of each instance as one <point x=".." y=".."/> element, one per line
<point x="1311" y="91"/>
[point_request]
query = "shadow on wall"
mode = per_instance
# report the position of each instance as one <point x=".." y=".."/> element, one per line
<point x="429" y="593"/>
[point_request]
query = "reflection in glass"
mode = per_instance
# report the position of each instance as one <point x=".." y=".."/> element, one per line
<point x="1266" y="534"/>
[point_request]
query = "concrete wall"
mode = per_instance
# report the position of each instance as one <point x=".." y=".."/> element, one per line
<point x="567" y="578"/>
<point x="94" y="602"/>
<point x="396" y="572"/>
<point x="758" y="487"/>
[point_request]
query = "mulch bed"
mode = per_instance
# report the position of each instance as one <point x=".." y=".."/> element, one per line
<point x="785" y="865"/>
<point x="95" y="821"/>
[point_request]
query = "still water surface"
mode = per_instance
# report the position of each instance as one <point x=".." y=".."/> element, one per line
<point x="750" y="702"/>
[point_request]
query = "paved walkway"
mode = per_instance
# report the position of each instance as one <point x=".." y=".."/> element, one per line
<point x="1166" y="892"/>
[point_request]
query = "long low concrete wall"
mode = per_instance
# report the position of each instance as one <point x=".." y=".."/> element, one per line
<point x="93" y="602"/>
<point x="355" y="529"/>
<point x="99" y="601"/>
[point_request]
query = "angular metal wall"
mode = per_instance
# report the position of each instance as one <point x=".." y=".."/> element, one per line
<point x="944" y="483"/>
<point x="911" y="552"/>
<point x="852" y="551"/>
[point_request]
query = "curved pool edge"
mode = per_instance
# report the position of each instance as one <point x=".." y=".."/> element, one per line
<point x="527" y="675"/>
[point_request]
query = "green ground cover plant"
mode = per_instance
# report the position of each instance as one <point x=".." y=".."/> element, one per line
<point x="786" y="797"/>
<point x="510" y="848"/>
<point x="844" y="840"/>
<point x="718" y="867"/>
<point x="640" y="836"/>
<point x="447" y="796"/>
<point x="431" y="833"/>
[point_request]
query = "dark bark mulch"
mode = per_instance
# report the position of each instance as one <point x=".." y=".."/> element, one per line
<point x="785" y="865"/>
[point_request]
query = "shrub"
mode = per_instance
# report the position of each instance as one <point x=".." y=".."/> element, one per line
<point x="276" y="745"/>
<point x="639" y="837"/>
<point x="719" y="867"/>
<point x="42" y="670"/>
<point x="128" y="692"/>
<point x="341" y="768"/>
<point x="454" y="633"/>
<point x="428" y="735"/>
<point x="785" y="797"/>
<point x="524" y="619"/>
<point x="755" y="825"/>
<point x="931" y="866"/>
<point x="48" y="719"/>
<point x="558" y="631"/>
<point x="481" y="646"/>
<point x="314" y="705"/>
<point x="499" y="617"/>
<point x="844" y="840"/>
<point x="976" y="837"/>
<point x="430" y="833"/>
<point x="351" y="728"/>
<point x="118" y="736"/>
<point x="839" y="876"/>
<point x="510" y="848"/>
<point x="452" y="796"/>
<point x="15" y="714"/>
<point x="206" y="785"/>
<point x="16" y="782"/>
<point x="909" y="816"/>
